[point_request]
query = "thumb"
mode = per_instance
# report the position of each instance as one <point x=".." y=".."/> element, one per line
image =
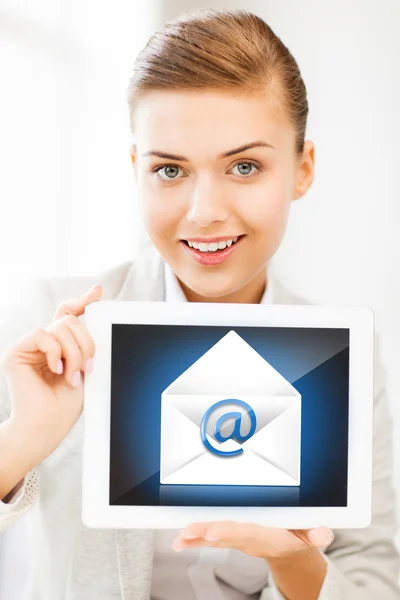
<point x="321" y="537"/>
<point x="76" y="306"/>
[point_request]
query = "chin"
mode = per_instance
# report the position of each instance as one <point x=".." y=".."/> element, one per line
<point x="212" y="289"/>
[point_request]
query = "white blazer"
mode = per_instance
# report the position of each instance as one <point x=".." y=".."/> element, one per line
<point x="72" y="562"/>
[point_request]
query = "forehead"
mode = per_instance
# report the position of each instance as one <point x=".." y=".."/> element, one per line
<point x="208" y="122"/>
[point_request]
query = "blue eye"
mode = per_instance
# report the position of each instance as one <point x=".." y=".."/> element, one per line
<point x="247" y="171"/>
<point x="169" y="171"/>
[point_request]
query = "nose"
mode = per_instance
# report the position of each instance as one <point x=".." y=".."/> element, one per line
<point x="206" y="205"/>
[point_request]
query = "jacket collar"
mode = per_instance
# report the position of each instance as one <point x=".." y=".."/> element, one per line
<point x="144" y="281"/>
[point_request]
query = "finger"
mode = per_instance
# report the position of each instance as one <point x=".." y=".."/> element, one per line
<point x="249" y="537"/>
<point x="229" y="531"/>
<point x="193" y="536"/>
<point x="76" y="306"/>
<point x="195" y="530"/>
<point x="82" y="336"/>
<point x="71" y="353"/>
<point x="279" y="541"/>
<point x="219" y="533"/>
<point x="37" y="341"/>
<point x="320" y="537"/>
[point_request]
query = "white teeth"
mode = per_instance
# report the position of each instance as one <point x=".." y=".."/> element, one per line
<point x="213" y="246"/>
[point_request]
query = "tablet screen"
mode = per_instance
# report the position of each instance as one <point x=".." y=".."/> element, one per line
<point x="229" y="416"/>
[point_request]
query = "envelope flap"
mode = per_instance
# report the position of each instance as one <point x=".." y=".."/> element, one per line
<point x="232" y="367"/>
<point x="267" y="408"/>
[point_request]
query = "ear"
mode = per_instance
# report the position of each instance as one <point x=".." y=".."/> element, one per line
<point x="133" y="154"/>
<point x="304" y="171"/>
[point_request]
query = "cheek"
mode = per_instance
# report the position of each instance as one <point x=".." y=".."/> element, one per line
<point x="266" y="210"/>
<point x="160" y="214"/>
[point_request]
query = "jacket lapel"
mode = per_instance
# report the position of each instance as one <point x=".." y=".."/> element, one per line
<point x="135" y="549"/>
<point x="144" y="282"/>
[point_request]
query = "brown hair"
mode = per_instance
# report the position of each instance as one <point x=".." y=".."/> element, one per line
<point x="221" y="49"/>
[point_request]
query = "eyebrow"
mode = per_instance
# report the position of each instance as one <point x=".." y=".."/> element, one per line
<point x="220" y="156"/>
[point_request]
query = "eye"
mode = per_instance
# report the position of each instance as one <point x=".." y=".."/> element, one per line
<point x="170" y="171"/>
<point x="247" y="170"/>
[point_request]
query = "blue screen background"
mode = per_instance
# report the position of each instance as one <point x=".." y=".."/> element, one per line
<point x="147" y="358"/>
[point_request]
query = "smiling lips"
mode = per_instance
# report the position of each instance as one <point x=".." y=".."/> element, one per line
<point x="211" y="252"/>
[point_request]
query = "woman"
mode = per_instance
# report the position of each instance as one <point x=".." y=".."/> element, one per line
<point x="218" y="109"/>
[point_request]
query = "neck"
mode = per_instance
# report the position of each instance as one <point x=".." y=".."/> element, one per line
<point x="249" y="294"/>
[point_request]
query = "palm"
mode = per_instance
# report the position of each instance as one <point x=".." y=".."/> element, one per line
<point x="251" y="538"/>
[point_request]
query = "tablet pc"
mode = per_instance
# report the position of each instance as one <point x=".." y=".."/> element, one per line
<point x="209" y="411"/>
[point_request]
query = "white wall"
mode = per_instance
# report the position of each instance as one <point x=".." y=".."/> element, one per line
<point x="66" y="173"/>
<point x="66" y="187"/>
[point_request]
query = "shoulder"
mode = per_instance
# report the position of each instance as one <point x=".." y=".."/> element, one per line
<point x="283" y="295"/>
<point x="139" y="278"/>
<point x="111" y="280"/>
<point x="32" y="300"/>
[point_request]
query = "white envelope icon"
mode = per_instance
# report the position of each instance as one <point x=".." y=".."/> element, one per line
<point x="230" y="370"/>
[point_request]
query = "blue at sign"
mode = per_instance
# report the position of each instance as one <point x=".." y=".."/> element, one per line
<point x="236" y="430"/>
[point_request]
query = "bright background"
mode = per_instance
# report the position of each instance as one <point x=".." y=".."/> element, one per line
<point x="67" y="196"/>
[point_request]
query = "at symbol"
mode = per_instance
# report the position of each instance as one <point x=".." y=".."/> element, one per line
<point x="236" y="430"/>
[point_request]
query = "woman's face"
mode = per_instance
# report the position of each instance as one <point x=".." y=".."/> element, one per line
<point x="216" y="174"/>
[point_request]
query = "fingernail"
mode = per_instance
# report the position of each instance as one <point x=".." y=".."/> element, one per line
<point x="209" y="537"/>
<point x="177" y="546"/>
<point x="88" y="366"/>
<point x="329" y="538"/>
<point x="60" y="366"/>
<point x="76" y="378"/>
<point x="188" y="536"/>
<point x="93" y="287"/>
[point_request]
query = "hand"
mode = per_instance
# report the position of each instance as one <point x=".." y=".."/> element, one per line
<point x="43" y="373"/>
<point x="296" y="565"/>
<point x="270" y="543"/>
